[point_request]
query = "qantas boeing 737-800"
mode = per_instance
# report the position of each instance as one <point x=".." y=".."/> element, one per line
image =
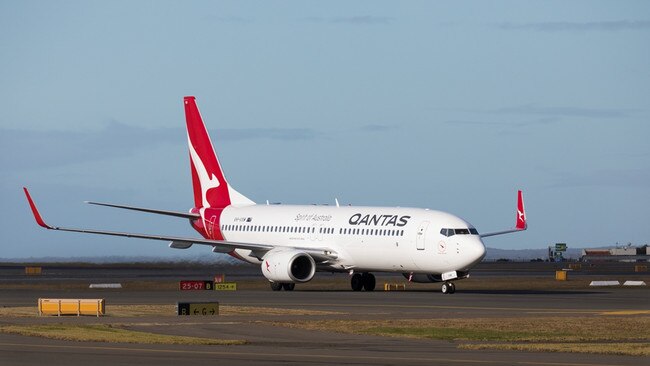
<point x="291" y="242"/>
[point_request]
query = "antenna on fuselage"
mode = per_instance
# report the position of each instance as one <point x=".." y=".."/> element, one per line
<point x="337" y="202"/>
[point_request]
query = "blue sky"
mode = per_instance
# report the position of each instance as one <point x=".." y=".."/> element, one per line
<point x="426" y="104"/>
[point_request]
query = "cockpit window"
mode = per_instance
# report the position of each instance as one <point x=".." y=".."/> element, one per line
<point x="463" y="231"/>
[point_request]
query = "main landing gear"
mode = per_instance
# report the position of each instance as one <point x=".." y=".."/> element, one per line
<point x="277" y="286"/>
<point x="448" y="288"/>
<point x="364" y="281"/>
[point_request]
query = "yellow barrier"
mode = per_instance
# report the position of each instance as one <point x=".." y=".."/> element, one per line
<point x="226" y="286"/>
<point x="394" y="287"/>
<point x="560" y="276"/>
<point x="33" y="271"/>
<point x="640" y="268"/>
<point x="71" y="307"/>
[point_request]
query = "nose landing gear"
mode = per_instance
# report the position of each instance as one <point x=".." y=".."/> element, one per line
<point x="364" y="281"/>
<point x="448" y="288"/>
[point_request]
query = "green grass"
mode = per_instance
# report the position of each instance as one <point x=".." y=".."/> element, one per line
<point x="108" y="333"/>
<point x="625" y="349"/>
<point x="451" y="334"/>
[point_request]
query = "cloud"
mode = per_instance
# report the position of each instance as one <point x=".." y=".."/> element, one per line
<point x="605" y="178"/>
<point x="537" y="121"/>
<point x="377" y="128"/>
<point x="25" y="149"/>
<point x="531" y="109"/>
<point x="227" y="19"/>
<point x="353" y="20"/>
<point x="615" y="25"/>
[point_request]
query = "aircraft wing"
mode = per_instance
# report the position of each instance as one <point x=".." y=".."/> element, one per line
<point x="520" y="224"/>
<point x="181" y="242"/>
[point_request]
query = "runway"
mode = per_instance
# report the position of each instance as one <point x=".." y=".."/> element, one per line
<point x="271" y="343"/>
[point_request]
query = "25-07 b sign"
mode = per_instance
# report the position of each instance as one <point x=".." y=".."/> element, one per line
<point x="196" y="285"/>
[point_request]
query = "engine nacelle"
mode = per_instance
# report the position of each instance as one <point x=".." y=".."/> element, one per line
<point x="287" y="265"/>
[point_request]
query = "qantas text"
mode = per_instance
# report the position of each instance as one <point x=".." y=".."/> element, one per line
<point x="381" y="220"/>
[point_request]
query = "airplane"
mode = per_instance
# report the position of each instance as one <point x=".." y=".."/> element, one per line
<point x="291" y="243"/>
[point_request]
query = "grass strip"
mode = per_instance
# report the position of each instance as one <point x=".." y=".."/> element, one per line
<point x="537" y="329"/>
<point x="108" y="333"/>
<point x="451" y="334"/>
<point x="169" y="310"/>
<point x="626" y="349"/>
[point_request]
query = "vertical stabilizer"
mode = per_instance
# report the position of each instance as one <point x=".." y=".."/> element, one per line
<point x="208" y="181"/>
<point x="522" y="224"/>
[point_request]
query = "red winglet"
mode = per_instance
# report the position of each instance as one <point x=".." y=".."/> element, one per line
<point x="521" y="212"/>
<point x="37" y="215"/>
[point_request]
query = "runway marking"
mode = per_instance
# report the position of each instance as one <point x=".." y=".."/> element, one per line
<point x="626" y="312"/>
<point x="292" y="355"/>
<point x="525" y="310"/>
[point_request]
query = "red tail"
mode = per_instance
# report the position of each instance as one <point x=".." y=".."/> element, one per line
<point x="521" y="212"/>
<point x="209" y="183"/>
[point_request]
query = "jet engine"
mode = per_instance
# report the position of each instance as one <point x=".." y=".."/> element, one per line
<point x="287" y="265"/>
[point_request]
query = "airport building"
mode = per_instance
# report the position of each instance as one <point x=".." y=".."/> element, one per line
<point x="625" y="254"/>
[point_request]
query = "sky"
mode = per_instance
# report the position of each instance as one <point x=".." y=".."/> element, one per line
<point x="384" y="103"/>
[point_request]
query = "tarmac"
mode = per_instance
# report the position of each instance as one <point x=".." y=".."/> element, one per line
<point x="272" y="344"/>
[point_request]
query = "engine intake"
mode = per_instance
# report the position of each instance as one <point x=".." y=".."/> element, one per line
<point x="286" y="265"/>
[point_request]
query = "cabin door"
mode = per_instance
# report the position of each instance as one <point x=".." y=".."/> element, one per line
<point x="420" y="239"/>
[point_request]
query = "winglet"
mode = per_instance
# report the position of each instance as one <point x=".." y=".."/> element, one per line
<point x="37" y="215"/>
<point x="521" y="212"/>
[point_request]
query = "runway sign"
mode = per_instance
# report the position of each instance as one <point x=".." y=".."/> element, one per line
<point x="76" y="307"/>
<point x="226" y="286"/>
<point x="195" y="285"/>
<point x="560" y="276"/>
<point x="394" y="287"/>
<point x="198" y="308"/>
<point x="33" y="271"/>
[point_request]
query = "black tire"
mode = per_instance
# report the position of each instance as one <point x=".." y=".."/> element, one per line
<point x="452" y="288"/>
<point x="369" y="281"/>
<point x="276" y="286"/>
<point x="445" y="288"/>
<point x="288" y="286"/>
<point x="356" y="282"/>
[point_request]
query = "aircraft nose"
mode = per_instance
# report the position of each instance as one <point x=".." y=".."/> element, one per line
<point x="475" y="250"/>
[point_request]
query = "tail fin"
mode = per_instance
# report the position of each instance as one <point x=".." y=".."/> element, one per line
<point x="521" y="212"/>
<point x="208" y="181"/>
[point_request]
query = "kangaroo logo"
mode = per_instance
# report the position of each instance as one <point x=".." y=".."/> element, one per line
<point x="207" y="182"/>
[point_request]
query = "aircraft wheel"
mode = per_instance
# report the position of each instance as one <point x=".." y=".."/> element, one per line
<point x="369" y="282"/>
<point x="276" y="286"/>
<point x="288" y="286"/>
<point x="356" y="282"/>
<point x="445" y="288"/>
<point x="452" y="288"/>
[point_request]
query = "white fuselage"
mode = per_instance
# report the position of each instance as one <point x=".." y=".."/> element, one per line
<point x="381" y="239"/>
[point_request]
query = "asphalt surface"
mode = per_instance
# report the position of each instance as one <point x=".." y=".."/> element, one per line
<point x="269" y="344"/>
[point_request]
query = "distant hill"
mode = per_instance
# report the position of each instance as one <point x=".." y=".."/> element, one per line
<point x="527" y="254"/>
